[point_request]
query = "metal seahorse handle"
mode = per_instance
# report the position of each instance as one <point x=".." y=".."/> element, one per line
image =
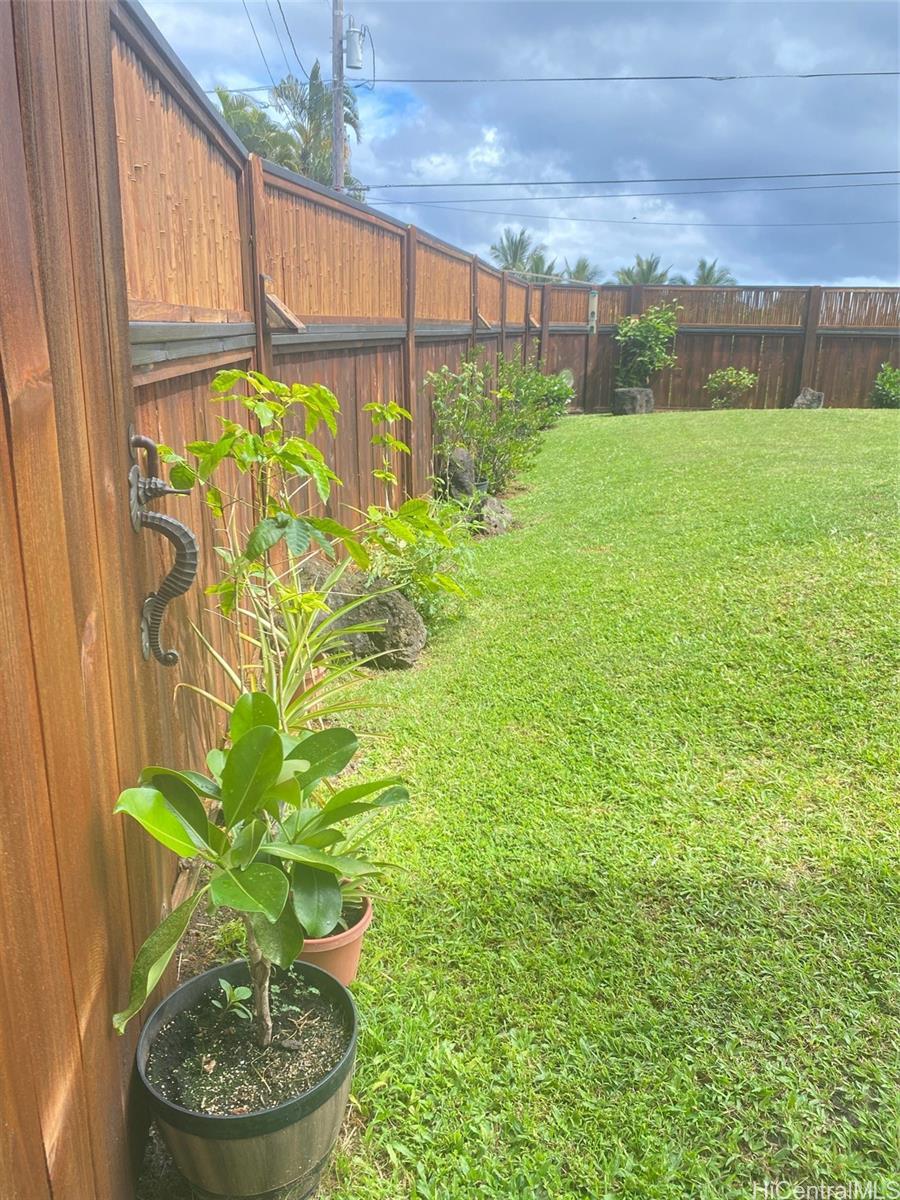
<point x="184" y="569"/>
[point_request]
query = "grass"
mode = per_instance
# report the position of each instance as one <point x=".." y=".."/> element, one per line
<point x="645" y="940"/>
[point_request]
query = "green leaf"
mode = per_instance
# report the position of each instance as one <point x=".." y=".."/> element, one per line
<point x="266" y="534"/>
<point x="317" y="900"/>
<point x="337" y="864"/>
<point x="252" y="709"/>
<point x="328" y="751"/>
<point x="340" y="806"/>
<point x="259" y="888"/>
<point x="149" y="807"/>
<point x="224" y="381"/>
<point x="281" y="940"/>
<point x="187" y="805"/>
<point x="358" y="553"/>
<point x="182" y="475"/>
<point x="153" y="958"/>
<point x="251" y="768"/>
<point x="215" y="760"/>
<point x="246" y="844"/>
<point x="201" y="785"/>
<point x="297" y="536"/>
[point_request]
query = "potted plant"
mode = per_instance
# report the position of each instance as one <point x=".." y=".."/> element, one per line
<point x="246" y="1075"/>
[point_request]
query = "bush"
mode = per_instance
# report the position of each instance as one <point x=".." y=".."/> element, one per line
<point x="886" y="388"/>
<point x="432" y="573"/>
<point x="645" y="344"/>
<point x="727" y="385"/>
<point x="499" y="426"/>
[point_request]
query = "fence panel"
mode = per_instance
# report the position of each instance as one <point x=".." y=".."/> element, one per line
<point x="443" y="282"/>
<point x="181" y="197"/>
<point x="846" y="367"/>
<point x="328" y="260"/>
<point x="489" y="286"/>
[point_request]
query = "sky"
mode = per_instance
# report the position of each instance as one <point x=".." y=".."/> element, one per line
<point x="548" y="134"/>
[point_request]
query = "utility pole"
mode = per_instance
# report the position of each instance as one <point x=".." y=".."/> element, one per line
<point x="337" y="95"/>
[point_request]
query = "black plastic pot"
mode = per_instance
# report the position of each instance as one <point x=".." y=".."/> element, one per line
<point x="275" y="1153"/>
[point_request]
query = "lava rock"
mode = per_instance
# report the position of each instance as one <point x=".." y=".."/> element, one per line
<point x="402" y="635"/>
<point x="632" y="400"/>
<point x="809" y="398"/>
<point x="494" y="517"/>
<point x="459" y="473"/>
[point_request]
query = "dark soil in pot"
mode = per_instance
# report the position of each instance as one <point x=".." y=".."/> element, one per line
<point x="210" y="1063"/>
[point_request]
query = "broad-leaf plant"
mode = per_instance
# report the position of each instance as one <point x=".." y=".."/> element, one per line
<point x="271" y="825"/>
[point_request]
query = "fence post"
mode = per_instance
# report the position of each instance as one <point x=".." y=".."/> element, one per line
<point x="413" y="483"/>
<point x="474" y="287"/>
<point x="545" y="320"/>
<point x="256" y="216"/>
<point x="810" y="339"/>
<point x="635" y="299"/>
<point x="526" y="340"/>
<point x="503" y="313"/>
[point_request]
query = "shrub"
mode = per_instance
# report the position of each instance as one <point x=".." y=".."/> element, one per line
<point x="886" y="388"/>
<point x="432" y="573"/>
<point x="645" y="344"/>
<point x="727" y="385"/>
<point x="500" y="425"/>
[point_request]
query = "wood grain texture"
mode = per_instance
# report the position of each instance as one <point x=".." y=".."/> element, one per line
<point x="443" y="284"/>
<point x="489" y="294"/>
<point x="325" y="261"/>
<point x="180" y="196"/>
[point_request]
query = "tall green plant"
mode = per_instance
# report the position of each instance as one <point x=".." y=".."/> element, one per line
<point x="286" y="638"/>
<point x="496" y="416"/>
<point x="276" y="846"/>
<point x="645" y="344"/>
<point x="886" y="388"/>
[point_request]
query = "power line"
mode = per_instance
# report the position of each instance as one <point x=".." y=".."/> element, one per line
<point x="801" y="187"/>
<point x="291" y="40"/>
<point x="634" y="78"/>
<point x="259" y="48"/>
<point x="287" y="65"/>
<point x="384" y="187"/>
<point x="678" y="224"/>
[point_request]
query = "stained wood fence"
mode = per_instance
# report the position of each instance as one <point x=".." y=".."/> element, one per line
<point x="142" y="249"/>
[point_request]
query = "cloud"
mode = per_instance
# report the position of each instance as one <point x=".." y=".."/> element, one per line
<point x="444" y="133"/>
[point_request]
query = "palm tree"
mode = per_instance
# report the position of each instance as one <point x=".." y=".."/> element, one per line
<point x="308" y="110"/>
<point x="256" y="129"/>
<point x="304" y="143"/>
<point x="584" y="270"/>
<point x="513" y="250"/>
<point x="539" y="264"/>
<point x="708" y="274"/>
<point x="644" y="270"/>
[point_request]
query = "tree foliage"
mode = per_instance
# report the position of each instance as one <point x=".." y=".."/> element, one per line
<point x="299" y="138"/>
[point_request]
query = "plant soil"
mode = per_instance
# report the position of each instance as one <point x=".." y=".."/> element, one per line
<point x="210" y="1063"/>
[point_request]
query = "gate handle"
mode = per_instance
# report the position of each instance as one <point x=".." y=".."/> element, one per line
<point x="142" y="489"/>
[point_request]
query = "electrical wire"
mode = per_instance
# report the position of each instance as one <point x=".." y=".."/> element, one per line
<point x="795" y="187"/>
<point x="677" y="224"/>
<point x="384" y="187"/>
<point x="640" y="78"/>
<point x="262" y="56"/>
<point x="291" y="40"/>
<point x="287" y="65"/>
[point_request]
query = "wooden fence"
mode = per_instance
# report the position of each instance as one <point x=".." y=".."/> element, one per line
<point x="832" y="339"/>
<point x="142" y="249"/>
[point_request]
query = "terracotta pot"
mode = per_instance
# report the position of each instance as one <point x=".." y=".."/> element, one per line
<point x="338" y="954"/>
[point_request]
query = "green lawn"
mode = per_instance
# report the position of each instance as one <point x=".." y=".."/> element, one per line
<point x="645" y="943"/>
